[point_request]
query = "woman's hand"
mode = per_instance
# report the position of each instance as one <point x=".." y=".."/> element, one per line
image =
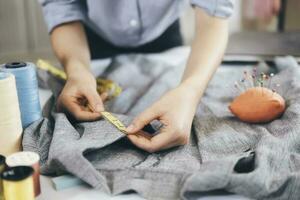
<point x="80" y="90"/>
<point x="175" y="110"/>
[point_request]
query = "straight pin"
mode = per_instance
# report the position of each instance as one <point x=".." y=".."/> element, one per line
<point x="243" y="84"/>
<point x="249" y="78"/>
<point x="270" y="82"/>
<point x="236" y="85"/>
<point x="254" y="76"/>
<point x="273" y="91"/>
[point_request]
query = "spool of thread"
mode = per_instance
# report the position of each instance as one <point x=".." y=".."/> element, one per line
<point x="27" y="158"/>
<point x="27" y="87"/>
<point x="18" y="183"/>
<point x="10" y="120"/>
<point x="2" y="167"/>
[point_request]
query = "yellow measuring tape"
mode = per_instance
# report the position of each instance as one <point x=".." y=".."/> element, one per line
<point x="103" y="85"/>
<point x="114" y="121"/>
<point x="120" y="126"/>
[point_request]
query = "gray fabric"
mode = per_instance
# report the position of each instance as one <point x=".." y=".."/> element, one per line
<point x="126" y="23"/>
<point x="100" y="155"/>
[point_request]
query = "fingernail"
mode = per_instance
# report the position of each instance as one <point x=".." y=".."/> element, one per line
<point x="130" y="128"/>
<point x="98" y="108"/>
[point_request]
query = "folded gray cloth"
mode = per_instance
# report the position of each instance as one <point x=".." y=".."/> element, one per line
<point x="258" y="161"/>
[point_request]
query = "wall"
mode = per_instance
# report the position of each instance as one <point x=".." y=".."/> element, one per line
<point x="23" y="33"/>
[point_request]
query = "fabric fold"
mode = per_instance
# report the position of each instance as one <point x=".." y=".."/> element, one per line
<point x="103" y="157"/>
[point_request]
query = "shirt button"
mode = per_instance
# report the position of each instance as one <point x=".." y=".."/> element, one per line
<point x="133" y="23"/>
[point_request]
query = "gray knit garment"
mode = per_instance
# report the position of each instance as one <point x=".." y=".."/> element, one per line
<point x="259" y="161"/>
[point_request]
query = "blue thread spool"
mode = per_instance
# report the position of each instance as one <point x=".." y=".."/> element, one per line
<point x="27" y="88"/>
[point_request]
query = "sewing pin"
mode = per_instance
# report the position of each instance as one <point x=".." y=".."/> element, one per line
<point x="253" y="80"/>
<point x="273" y="91"/>
<point x="277" y="85"/>
<point x="249" y="78"/>
<point x="254" y="75"/>
<point x="237" y="86"/>
<point x="243" y="84"/>
<point x="245" y="76"/>
<point x="267" y="77"/>
<point x="261" y="86"/>
<point x="270" y="81"/>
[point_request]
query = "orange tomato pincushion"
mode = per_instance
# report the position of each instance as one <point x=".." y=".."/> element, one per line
<point x="258" y="105"/>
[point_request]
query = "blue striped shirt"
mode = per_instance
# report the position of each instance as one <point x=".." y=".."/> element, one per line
<point x="126" y="23"/>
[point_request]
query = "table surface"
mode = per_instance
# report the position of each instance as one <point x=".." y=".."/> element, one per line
<point x="264" y="43"/>
<point x="256" y="46"/>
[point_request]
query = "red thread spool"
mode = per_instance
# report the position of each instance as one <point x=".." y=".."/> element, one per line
<point x="27" y="158"/>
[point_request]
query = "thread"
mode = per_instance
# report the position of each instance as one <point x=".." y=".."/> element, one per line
<point x="18" y="183"/>
<point x="10" y="120"/>
<point x="27" y="158"/>
<point x="27" y="87"/>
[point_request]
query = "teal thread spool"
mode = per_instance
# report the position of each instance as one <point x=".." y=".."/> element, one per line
<point x="27" y="88"/>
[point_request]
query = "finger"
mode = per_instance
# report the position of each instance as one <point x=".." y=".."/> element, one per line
<point x="141" y="142"/>
<point x="95" y="101"/>
<point x="78" y="112"/>
<point x="166" y="139"/>
<point x="104" y="96"/>
<point x="142" y="120"/>
<point x="161" y="141"/>
<point x="82" y="115"/>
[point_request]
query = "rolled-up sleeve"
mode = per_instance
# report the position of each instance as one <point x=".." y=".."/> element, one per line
<point x="57" y="12"/>
<point x="217" y="8"/>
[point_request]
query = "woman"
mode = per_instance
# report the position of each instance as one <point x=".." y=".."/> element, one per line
<point x="81" y="30"/>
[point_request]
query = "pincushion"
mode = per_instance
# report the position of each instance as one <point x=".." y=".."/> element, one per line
<point x="258" y="102"/>
<point x="258" y="105"/>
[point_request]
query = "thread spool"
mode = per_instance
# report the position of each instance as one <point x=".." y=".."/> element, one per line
<point x="27" y="158"/>
<point x="2" y="167"/>
<point x="18" y="183"/>
<point x="10" y="120"/>
<point x="27" y="87"/>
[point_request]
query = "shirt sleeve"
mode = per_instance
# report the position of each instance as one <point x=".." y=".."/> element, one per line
<point x="57" y="12"/>
<point x="217" y="8"/>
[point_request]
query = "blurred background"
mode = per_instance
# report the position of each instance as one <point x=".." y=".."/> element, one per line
<point x="253" y="30"/>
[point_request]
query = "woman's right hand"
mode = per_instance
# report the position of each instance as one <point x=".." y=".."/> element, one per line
<point x="81" y="89"/>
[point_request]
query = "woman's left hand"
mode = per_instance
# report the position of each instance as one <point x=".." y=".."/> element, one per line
<point x="175" y="110"/>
